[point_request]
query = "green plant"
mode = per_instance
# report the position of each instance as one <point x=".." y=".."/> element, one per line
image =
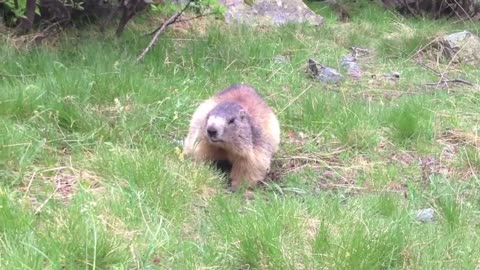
<point x="17" y="7"/>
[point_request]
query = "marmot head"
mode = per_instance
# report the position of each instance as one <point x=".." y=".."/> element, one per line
<point x="229" y="126"/>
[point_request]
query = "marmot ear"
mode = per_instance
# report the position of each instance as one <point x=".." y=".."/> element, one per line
<point x="242" y="114"/>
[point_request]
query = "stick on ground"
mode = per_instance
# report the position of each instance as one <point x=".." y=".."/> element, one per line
<point x="443" y="78"/>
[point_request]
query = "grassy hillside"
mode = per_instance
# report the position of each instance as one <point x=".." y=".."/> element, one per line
<point x="91" y="174"/>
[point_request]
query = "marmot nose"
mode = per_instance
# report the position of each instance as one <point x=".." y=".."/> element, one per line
<point x="212" y="132"/>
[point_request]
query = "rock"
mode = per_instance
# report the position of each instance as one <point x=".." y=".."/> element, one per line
<point x="301" y="135"/>
<point x="394" y="76"/>
<point x="179" y="143"/>
<point x="280" y="59"/>
<point x="329" y="75"/>
<point x="349" y="62"/>
<point x="425" y="215"/>
<point x="269" y="12"/>
<point x="343" y="199"/>
<point x="324" y="73"/>
<point x="462" y="47"/>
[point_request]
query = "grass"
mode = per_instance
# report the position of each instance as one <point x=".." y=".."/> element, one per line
<point x="91" y="175"/>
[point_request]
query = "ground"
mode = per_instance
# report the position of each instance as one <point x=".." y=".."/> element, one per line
<point x="92" y="176"/>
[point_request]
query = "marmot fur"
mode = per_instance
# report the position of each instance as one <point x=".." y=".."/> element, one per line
<point x="235" y="125"/>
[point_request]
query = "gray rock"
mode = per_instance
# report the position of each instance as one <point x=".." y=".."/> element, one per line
<point x="349" y="62"/>
<point x="329" y="75"/>
<point x="461" y="47"/>
<point x="394" y="76"/>
<point x="178" y="143"/>
<point x="323" y="73"/>
<point x="269" y="12"/>
<point x="425" y="215"/>
<point x="280" y="59"/>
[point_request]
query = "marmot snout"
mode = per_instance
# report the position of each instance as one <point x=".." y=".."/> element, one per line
<point x="229" y="127"/>
<point x="238" y="126"/>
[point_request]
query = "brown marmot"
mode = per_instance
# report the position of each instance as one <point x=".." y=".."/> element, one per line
<point x="235" y="125"/>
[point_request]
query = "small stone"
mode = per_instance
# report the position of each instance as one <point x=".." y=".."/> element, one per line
<point x="178" y="143"/>
<point x="329" y="75"/>
<point x="301" y="135"/>
<point x="343" y="199"/>
<point x="349" y="62"/>
<point x="425" y="215"/>
<point x="323" y="73"/>
<point x="394" y="76"/>
<point x="312" y="67"/>
<point x="280" y="59"/>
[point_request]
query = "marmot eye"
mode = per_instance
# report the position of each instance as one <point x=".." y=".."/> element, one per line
<point x="231" y="121"/>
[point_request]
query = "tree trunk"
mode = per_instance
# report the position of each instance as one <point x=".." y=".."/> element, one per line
<point x="26" y="23"/>
<point x="129" y="9"/>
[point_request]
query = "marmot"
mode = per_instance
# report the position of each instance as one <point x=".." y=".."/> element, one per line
<point x="235" y="125"/>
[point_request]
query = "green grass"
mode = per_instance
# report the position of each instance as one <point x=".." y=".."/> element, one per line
<point x="81" y="114"/>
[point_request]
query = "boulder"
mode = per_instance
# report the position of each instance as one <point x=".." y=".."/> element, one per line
<point x="269" y="12"/>
<point x="463" y="47"/>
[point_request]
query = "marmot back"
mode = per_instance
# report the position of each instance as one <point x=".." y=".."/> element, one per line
<point x="236" y="125"/>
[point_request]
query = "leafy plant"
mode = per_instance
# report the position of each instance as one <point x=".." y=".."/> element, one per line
<point x="17" y="7"/>
<point x="202" y="7"/>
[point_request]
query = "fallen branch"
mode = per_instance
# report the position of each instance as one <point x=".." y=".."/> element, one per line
<point x="452" y="81"/>
<point x="430" y="69"/>
<point x="162" y="28"/>
<point x="443" y="78"/>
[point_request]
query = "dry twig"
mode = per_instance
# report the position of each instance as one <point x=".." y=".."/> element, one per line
<point x="443" y="78"/>
<point x="446" y="81"/>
